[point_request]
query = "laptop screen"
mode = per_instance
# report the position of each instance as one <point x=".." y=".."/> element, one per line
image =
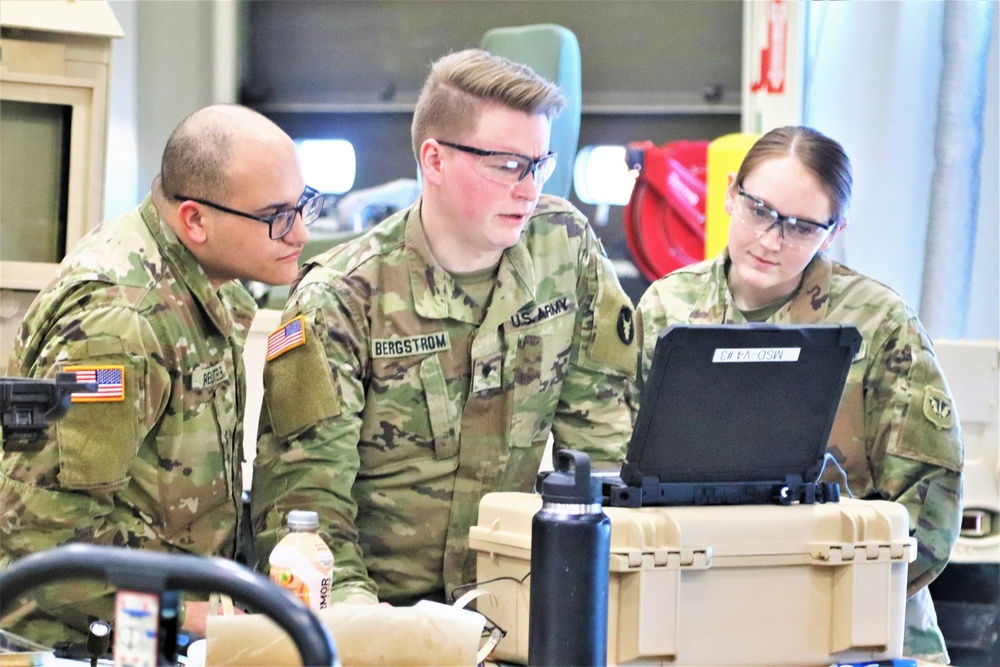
<point x="739" y="403"/>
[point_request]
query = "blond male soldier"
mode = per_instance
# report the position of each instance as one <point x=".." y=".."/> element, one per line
<point x="440" y="350"/>
<point x="147" y="306"/>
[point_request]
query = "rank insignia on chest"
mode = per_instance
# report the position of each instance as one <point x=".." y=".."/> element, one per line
<point x="287" y="337"/>
<point x="110" y="381"/>
<point x="487" y="373"/>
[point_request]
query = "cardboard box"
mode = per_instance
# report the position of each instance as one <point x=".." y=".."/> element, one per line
<point x="735" y="585"/>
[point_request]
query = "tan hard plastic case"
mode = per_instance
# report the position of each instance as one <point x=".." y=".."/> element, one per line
<point x="734" y="585"/>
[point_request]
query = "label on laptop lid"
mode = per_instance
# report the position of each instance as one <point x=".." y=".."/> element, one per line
<point x="726" y="355"/>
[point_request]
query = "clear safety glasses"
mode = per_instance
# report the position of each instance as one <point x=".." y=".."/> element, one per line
<point x="794" y="231"/>
<point x="506" y="167"/>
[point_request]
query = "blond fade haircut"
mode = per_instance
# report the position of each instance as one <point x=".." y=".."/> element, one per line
<point x="461" y="84"/>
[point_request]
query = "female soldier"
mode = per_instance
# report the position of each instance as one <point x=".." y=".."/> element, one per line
<point x="896" y="434"/>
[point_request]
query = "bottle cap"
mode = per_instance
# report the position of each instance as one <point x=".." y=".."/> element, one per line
<point x="303" y="520"/>
<point x="574" y="486"/>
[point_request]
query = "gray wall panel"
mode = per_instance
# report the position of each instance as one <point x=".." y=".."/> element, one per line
<point x="353" y="69"/>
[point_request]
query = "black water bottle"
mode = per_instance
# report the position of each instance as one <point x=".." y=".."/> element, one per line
<point x="570" y="550"/>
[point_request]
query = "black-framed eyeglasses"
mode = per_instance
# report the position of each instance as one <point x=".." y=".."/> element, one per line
<point x="795" y="231"/>
<point x="509" y="168"/>
<point x="278" y="223"/>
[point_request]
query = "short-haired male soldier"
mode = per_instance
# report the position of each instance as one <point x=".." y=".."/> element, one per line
<point x="441" y="349"/>
<point x="147" y="306"/>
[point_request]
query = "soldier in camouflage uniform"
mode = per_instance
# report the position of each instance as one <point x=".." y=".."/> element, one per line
<point x="896" y="434"/>
<point x="439" y="351"/>
<point x="146" y="307"/>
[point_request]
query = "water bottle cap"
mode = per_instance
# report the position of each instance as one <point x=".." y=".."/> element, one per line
<point x="575" y="486"/>
<point x="303" y="520"/>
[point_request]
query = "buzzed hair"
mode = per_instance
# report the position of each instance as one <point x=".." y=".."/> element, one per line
<point x="460" y="83"/>
<point x="197" y="154"/>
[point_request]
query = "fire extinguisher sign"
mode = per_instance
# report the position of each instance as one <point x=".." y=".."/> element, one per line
<point x="772" y="57"/>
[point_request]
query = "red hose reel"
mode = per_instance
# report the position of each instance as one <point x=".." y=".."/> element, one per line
<point x="665" y="217"/>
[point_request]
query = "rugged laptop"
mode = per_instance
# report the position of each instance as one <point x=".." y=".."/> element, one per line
<point x="736" y="414"/>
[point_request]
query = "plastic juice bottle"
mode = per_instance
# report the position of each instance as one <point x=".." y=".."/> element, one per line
<point x="302" y="563"/>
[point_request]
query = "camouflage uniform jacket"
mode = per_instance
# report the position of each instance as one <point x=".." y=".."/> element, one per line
<point x="407" y="402"/>
<point x="896" y="433"/>
<point x="159" y="468"/>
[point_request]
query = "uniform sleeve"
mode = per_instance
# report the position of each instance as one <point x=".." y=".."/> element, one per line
<point x="917" y="454"/>
<point x="64" y="490"/>
<point x="307" y="451"/>
<point x="593" y="414"/>
<point x="651" y="320"/>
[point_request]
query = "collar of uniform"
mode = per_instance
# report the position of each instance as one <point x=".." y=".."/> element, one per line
<point x="430" y="284"/>
<point x="186" y="268"/>
<point x="241" y="307"/>
<point x="808" y="306"/>
<point x="715" y="305"/>
<point x="515" y="285"/>
<point x="433" y="287"/>
<point x="811" y="303"/>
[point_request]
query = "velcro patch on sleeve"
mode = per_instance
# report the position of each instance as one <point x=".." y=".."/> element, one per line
<point x="108" y="381"/>
<point x="286" y="337"/>
<point x="299" y="388"/>
<point x="612" y="338"/>
<point x="98" y="438"/>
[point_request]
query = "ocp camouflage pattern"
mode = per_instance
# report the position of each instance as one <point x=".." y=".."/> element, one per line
<point x="159" y="470"/>
<point x="409" y="401"/>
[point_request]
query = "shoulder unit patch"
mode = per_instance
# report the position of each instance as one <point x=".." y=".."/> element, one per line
<point x="938" y="408"/>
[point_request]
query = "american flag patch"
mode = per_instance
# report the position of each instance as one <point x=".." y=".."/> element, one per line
<point x="110" y="382"/>
<point x="289" y="336"/>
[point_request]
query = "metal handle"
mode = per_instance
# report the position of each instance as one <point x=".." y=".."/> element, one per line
<point x="154" y="572"/>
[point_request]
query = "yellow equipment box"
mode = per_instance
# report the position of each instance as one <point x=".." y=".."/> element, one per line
<point x="734" y="585"/>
